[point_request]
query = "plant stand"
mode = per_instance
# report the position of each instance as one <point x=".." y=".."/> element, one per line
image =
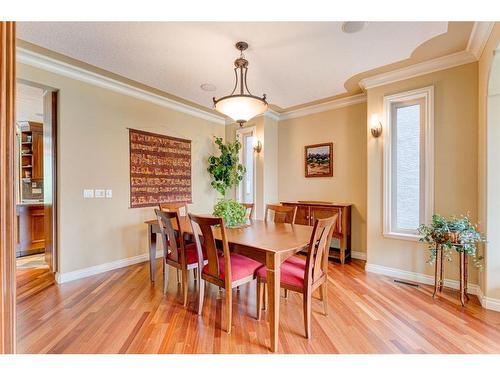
<point x="438" y="272"/>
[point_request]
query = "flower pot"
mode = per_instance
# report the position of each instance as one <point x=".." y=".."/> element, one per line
<point x="452" y="237"/>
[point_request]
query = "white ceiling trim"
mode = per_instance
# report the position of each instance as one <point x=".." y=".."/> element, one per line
<point x="333" y="104"/>
<point x="426" y="67"/>
<point x="478" y="37"/>
<point x="37" y="60"/>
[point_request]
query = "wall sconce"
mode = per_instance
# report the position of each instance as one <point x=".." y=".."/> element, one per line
<point x="376" y="126"/>
<point x="257" y="147"/>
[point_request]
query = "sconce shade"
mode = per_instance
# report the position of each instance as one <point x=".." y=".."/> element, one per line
<point x="375" y="126"/>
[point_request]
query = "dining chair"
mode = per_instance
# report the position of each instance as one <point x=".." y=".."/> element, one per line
<point x="281" y="214"/>
<point x="180" y="207"/>
<point x="176" y="253"/>
<point x="249" y="209"/>
<point x="223" y="269"/>
<point x="305" y="275"/>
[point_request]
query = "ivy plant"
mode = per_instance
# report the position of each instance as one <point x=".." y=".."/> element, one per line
<point x="231" y="211"/>
<point x="442" y="230"/>
<point x="226" y="170"/>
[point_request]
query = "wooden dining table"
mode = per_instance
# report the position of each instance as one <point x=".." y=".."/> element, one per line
<point x="267" y="242"/>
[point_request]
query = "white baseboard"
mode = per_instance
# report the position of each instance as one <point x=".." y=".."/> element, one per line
<point x="358" y="255"/>
<point x="94" y="270"/>
<point x="488" y="302"/>
<point x="419" y="277"/>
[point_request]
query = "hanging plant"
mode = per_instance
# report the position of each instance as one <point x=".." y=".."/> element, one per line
<point x="226" y="170"/>
<point x="452" y="233"/>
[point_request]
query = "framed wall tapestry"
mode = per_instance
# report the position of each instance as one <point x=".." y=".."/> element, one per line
<point x="160" y="169"/>
<point x="318" y="160"/>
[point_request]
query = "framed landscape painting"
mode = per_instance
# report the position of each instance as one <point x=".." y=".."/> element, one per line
<point x="318" y="160"/>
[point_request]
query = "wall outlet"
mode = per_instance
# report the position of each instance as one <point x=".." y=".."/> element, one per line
<point x="88" y="193"/>
<point x="109" y="193"/>
<point x="99" y="193"/>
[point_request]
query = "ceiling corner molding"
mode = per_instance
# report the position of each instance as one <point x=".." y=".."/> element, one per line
<point x="273" y="115"/>
<point x="478" y="37"/>
<point x="426" y="67"/>
<point x="37" y="60"/>
<point x="327" y="106"/>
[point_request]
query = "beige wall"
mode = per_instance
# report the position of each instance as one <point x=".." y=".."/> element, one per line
<point x="93" y="153"/>
<point x="455" y="137"/>
<point x="345" y="127"/>
<point x="489" y="159"/>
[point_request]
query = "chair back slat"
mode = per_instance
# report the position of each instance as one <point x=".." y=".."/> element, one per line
<point x="281" y="214"/>
<point x="203" y="230"/>
<point x="249" y="209"/>
<point x="317" y="256"/>
<point x="179" y="207"/>
<point x="170" y="240"/>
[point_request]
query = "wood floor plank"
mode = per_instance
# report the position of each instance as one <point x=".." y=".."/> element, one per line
<point x="122" y="312"/>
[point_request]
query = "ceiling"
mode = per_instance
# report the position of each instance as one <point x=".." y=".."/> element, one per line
<point x="292" y="62"/>
<point x="29" y="103"/>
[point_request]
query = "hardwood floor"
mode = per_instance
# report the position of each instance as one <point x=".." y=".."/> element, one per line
<point x="122" y="312"/>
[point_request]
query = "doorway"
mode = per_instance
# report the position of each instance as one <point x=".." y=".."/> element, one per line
<point x="35" y="185"/>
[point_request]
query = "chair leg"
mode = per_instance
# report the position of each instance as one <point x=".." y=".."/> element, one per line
<point x="324" y="297"/>
<point x="201" y="292"/>
<point x="229" y="312"/>
<point x="178" y="278"/>
<point x="264" y="303"/>
<point x="260" y="296"/>
<point x="185" y="286"/>
<point x="307" y="313"/>
<point x="165" y="278"/>
<point x="286" y="293"/>
<point x="195" y="273"/>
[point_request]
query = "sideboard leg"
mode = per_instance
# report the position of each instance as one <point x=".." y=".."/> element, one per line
<point x="437" y="268"/>
<point x="462" y="277"/>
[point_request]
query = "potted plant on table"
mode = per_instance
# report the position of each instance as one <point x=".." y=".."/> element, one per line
<point x="227" y="172"/>
<point x="452" y="233"/>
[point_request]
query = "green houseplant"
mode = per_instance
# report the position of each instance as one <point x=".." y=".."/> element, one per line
<point x="450" y="232"/>
<point x="227" y="172"/>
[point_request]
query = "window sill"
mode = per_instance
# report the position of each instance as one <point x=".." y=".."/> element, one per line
<point x="402" y="236"/>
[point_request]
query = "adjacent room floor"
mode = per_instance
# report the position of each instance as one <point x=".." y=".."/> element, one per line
<point x="122" y="312"/>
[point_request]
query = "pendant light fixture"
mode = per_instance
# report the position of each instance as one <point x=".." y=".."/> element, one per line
<point x="241" y="105"/>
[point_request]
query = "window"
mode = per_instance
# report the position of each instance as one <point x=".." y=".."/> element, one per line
<point x="246" y="189"/>
<point x="408" y="162"/>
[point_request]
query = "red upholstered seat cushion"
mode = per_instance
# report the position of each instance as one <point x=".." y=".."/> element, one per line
<point x="293" y="271"/>
<point x="192" y="254"/>
<point x="241" y="267"/>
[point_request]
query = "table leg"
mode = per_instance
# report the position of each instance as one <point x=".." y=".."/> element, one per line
<point x="462" y="277"/>
<point x="466" y="282"/>
<point x="436" y="270"/>
<point x="152" y="253"/>
<point x="273" y="285"/>
<point x="342" y="249"/>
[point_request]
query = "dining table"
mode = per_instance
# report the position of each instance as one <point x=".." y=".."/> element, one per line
<point x="264" y="241"/>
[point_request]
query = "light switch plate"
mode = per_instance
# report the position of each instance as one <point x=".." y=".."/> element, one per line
<point x="109" y="193"/>
<point x="99" y="193"/>
<point x="88" y="193"/>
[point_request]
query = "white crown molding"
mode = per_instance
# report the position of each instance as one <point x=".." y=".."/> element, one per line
<point x="426" y="67"/>
<point x="479" y="36"/>
<point x="37" y="60"/>
<point x="272" y="115"/>
<point x="105" y="267"/>
<point x="333" y="104"/>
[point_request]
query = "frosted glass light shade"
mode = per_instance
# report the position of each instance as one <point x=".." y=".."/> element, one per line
<point x="241" y="107"/>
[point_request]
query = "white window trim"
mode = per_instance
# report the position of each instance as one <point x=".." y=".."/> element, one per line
<point x="427" y="93"/>
<point x="239" y="134"/>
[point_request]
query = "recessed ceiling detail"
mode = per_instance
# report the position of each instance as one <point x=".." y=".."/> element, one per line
<point x="292" y="62"/>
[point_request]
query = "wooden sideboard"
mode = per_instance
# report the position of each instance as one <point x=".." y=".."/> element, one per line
<point x="308" y="211"/>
